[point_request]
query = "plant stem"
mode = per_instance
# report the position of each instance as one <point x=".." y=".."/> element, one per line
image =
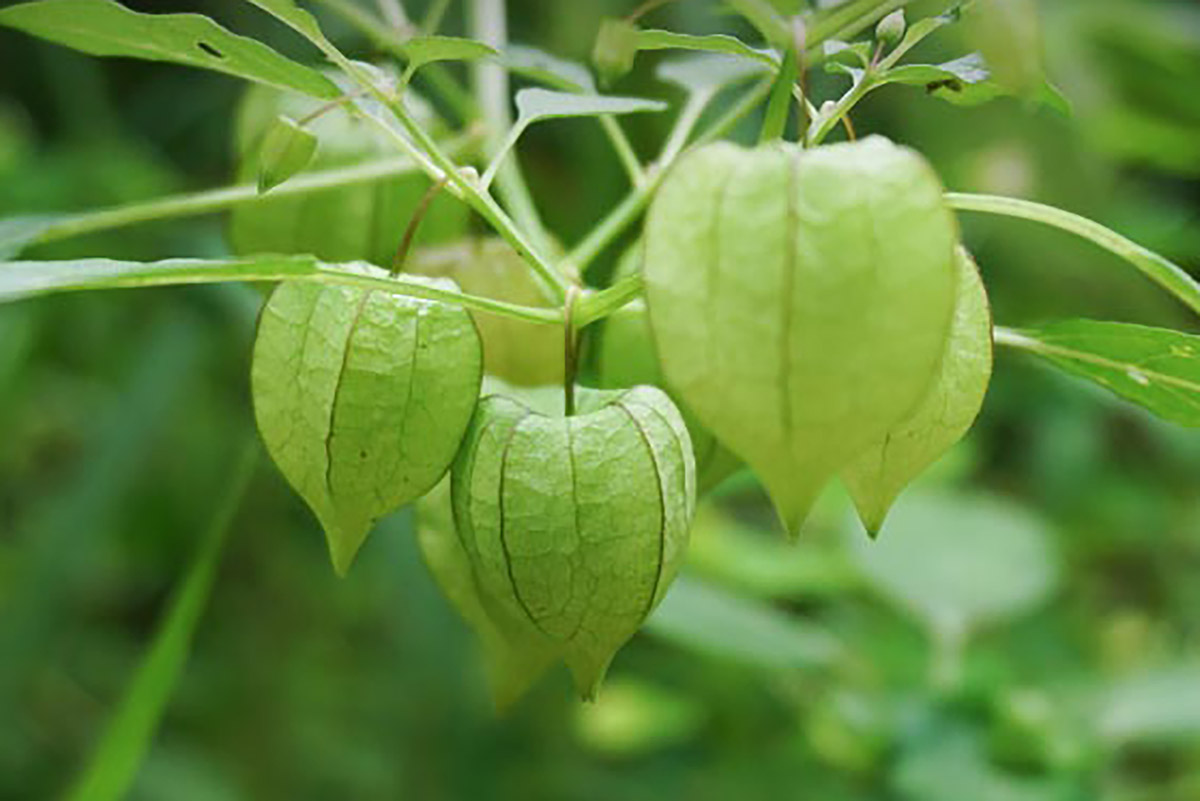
<point x="570" y="350"/>
<point x="213" y="200"/>
<point x="599" y="305"/>
<point x="845" y="21"/>
<point x="625" y="151"/>
<point x="1159" y="269"/>
<point x="489" y="24"/>
<point x="826" y="121"/>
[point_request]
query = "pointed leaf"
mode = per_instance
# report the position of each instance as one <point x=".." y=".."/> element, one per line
<point x="105" y="28"/>
<point x="535" y="105"/>
<point x="548" y="69"/>
<point x="967" y="81"/>
<point x="1156" y="368"/>
<point x="943" y="416"/>
<point x="707" y="73"/>
<point x="711" y="43"/>
<point x="421" y="50"/>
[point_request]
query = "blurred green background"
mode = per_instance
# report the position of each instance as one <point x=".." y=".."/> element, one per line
<point x="1027" y="629"/>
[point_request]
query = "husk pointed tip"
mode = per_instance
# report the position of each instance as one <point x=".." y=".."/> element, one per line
<point x="588" y="675"/>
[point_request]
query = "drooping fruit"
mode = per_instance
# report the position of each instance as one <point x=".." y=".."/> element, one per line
<point x="800" y="300"/>
<point x="944" y="415"/>
<point x="575" y="526"/>
<point x="362" y="399"/>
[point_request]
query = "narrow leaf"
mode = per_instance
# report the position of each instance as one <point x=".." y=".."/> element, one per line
<point x="547" y="69"/>
<point x="422" y="50"/>
<point x="535" y="105"/>
<point x="118" y="755"/>
<point x="105" y="28"/>
<point x="286" y="150"/>
<point x="780" y="103"/>
<point x="1156" y="368"/>
<point x="705" y="74"/>
<point x="711" y="43"/>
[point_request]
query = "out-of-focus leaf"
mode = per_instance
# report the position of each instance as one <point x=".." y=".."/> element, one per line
<point x="707" y="73"/>
<point x="116" y="758"/>
<point x="955" y="563"/>
<point x="104" y="28"/>
<point x="967" y="81"/>
<point x="698" y="616"/>
<point x="1155" y="706"/>
<point x="1156" y="368"/>
<point x="1008" y="34"/>
<point x="422" y="50"/>
<point x="952" y="766"/>
<point x="633" y="717"/>
<point x="286" y="150"/>
<point x="546" y="68"/>
<point x="535" y="105"/>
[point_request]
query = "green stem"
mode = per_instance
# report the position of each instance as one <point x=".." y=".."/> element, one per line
<point x="826" y="121"/>
<point x="625" y="151"/>
<point x="1162" y="271"/>
<point x="849" y="19"/>
<point x="599" y="305"/>
<point x="127" y="736"/>
<point x="213" y="200"/>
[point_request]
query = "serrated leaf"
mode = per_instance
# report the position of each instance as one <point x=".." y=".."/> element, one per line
<point x="853" y="287"/>
<point x="1156" y="368"/>
<point x="535" y="105"/>
<point x="546" y="68"/>
<point x="361" y="399"/>
<point x="943" y="416"/>
<point x="515" y="654"/>
<point x="710" y="43"/>
<point x="105" y="28"/>
<point x="421" y="50"/>
<point x="286" y="150"/>
<point x="956" y="563"/>
<point x="576" y="525"/>
<point x="520" y="353"/>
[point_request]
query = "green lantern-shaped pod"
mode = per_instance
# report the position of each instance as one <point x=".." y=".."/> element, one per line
<point x="575" y="526"/>
<point x="362" y="399"/>
<point x="800" y="300"/>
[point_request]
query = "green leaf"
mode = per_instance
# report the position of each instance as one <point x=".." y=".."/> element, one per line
<point x="701" y="617"/>
<point x="576" y="525"/>
<point x="763" y="16"/>
<point x="535" y="105"/>
<point x="615" y="49"/>
<point x="421" y="50"/>
<point x="959" y="562"/>
<point x="362" y="399"/>
<point x="118" y="755"/>
<point x="780" y="104"/>
<point x="966" y="81"/>
<point x="516" y="351"/>
<point x="705" y="74"/>
<point x="286" y="150"/>
<point x="1154" y="706"/>
<point x="515" y="654"/>
<point x="104" y="28"/>
<point x="18" y="233"/>
<point x="853" y="288"/>
<point x="710" y="43"/>
<point x="1156" y="368"/>
<point x="548" y="69"/>
<point x="943" y="416"/>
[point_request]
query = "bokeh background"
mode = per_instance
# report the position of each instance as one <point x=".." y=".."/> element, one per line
<point x="1027" y="629"/>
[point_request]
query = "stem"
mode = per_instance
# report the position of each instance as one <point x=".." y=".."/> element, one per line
<point x="625" y="151"/>
<point x="828" y="120"/>
<point x="414" y="223"/>
<point x="1159" y="269"/>
<point x="393" y="13"/>
<point x="213" y="200"/>
<point x="570" y="351"/>
<point x="434" y="16"/>
<point x="849" y="19"/>
<point x="489" y="24"/>
<point x="601" y="304"/>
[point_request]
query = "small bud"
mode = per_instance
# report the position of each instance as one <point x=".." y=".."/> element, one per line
<point x="615" y="50"/>
<point x="891" y="28"/>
